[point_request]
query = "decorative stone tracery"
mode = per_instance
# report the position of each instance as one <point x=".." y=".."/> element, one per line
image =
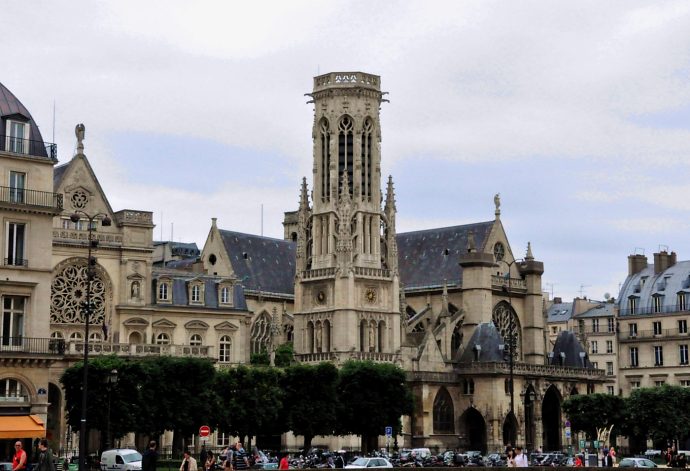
<point x="68" y="293"/>
<point x="510" y="331"/>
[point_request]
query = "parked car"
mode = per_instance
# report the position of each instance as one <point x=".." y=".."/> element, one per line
<point x="369" y="463"/>
<point x="636" y="463"/>
<point x="121" y="459"/>
<point x="5" y="466"/>
<point x="652" y="453"/>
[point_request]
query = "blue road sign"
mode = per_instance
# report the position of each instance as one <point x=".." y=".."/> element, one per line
<point x="389" y="431"/>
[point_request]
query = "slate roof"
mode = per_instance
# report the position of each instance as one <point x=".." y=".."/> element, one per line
<point x="567" y="343"/>
<point x="667" y="284"/>
<point x="560" y="312"/>
<point x="601" y="310"/>
<point x="180" y="296"/>
<point x="426" y="258"/>
<point x="182" y="264"/>
<point x="488" y="338"/>
<point x="261" y="263"/>
<point x="58" y="173"/>
<point x="10" y="105"/>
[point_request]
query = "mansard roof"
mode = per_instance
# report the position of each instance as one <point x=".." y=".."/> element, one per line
<point x="429" y="257"/>
<point x="11" y="107"/>
<point x="600" y="310"/>
<point x="58" y="173"/>
<point x="261" y="263"/>
<point x="488" y="338"/>
<point x="568" y="351"/>
<point x="560" y="312"/>
<point x="646" y="285"/>
<point x="180" y="293"/>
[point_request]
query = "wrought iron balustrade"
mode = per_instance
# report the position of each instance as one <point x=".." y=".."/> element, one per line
<point x="15" y="262"/>
<point x="34" y="198"/>
<point x="18" y="145"/>
<point x="31" y="345"/>
<point x="642" y="311"/>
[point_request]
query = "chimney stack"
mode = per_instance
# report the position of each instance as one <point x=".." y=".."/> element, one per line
<point x="636" y="263"/>
<point x="558" y="300"/>
<point x="663" y="260"/>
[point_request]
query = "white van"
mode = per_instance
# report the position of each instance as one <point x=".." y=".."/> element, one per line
<point x="121" y="460"/>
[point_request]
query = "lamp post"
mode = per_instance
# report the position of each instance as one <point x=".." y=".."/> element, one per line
<point x="90" y="267"/>
<point x="110" y="382"/>
<point x="511" y="341"/>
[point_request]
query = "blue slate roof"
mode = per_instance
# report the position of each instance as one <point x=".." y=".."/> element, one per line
<point x="488" y="338"/>
<point x="568" y="344"/>
<point x="427" y="258"/>
<point x="58" y="173"/>
<point x="11" y="106"/>
<point x="560" y="312"/>
<point x="600" y="310"/>
<point x="180" y="292"/>
<point x="261" y="263"/>
<point x="646" y="285"/>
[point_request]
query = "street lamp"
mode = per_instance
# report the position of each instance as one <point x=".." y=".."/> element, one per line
<point x="110" y="382"/>
<point x="512" y="340"/>
<point x="90" y="269"/>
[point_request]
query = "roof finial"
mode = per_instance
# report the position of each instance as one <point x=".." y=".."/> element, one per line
<point x="529" y="255"/>
<point x="303" y="195"/>
<point x="80" y="131"/>
<point x="390" y="194"/>
<point x="497" y="202"/>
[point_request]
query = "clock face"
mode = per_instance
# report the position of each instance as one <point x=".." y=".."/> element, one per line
<point x="321" y="297"/>
<point x="370" y="295"/>
<point x="499" y="251"/>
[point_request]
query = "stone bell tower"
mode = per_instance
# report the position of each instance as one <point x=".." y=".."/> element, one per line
<point x="346" y="287"/>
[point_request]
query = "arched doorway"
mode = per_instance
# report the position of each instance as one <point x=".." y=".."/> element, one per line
<point x="510" y="427"/>
<point x="530" y="425"/>
<point x="473" y="431"/>
<point x="551" y="419"/>
<point x="135" y="338"/>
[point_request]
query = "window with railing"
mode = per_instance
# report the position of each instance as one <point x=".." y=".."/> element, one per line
<point x="658" y="355"/>
<point x="14" y="247"/>
<point x="195" y="340"/>
<point x="682" y="326"/>
<point x="12" y="327"/>
<point x="163" y="339"/>
<point x="681" y="300"/>
<point x="683" y="354"/>
<point x="657" y="327"/>
<point x="632" y="329"/>
<point x="609" y="368"/>
<point x="17" y="137"/>
<point x="632" y="304"/>
<point x="657" y="303"/>
<point x="634" y="357"/>
<point x="609" y="346"/>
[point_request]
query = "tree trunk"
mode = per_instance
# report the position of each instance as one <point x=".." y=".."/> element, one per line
<point x="307" y="443"/>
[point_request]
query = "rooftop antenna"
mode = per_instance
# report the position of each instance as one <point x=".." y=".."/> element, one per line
<point x="663" y="248"/>
<point x="172" y="229"/>
<point x="53" y="120"/>
<point x="262" y="219"/>
<point x="639" y="251"/>
<point x="582" y="289"/>
<point x="551" y="285"/>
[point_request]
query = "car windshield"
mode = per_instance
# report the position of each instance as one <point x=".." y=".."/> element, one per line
<point x="360" y="462"/>
<point x="130" y="457"/>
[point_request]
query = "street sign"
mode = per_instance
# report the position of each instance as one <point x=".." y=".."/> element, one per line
<point x="204" y="431"/>
<point x="389" y="431"/>
<point x="568" y="432"/>
<point x="582" y="444"/>
<point x="596" y="444"/>
<point x="567" y="424"/>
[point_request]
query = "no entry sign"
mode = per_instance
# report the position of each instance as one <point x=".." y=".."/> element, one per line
<point x="204" y="431"/>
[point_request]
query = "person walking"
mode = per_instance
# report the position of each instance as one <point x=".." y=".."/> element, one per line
<point x="239" y="458"/>
<point x="210" y="461"/>
<point x="45" y="457"/>
<point x="284" y="463"/>
<point x="188" y="462"/>
<point x="203" y="456"/>
<point x="510" y="458"/>
<point x="19" y="460"/>
<point x="150" y="459"/>
<point x="520" y="458"/>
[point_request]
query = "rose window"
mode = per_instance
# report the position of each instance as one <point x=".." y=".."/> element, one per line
<point x="79" y="199"/>
<point x="68" y="296"/>
<point x="507" y="326"/>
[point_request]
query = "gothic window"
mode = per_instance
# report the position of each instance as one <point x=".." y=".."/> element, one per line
<point x="261" y="333"/>
<point x="506" y="321"/>
<point x="367" y="135"/>
<point x="326" y="341"/>
<point x="79" y="199"/>
<point x="363" y="336"/>
<point x="382" y="336"/>
<point x="195" y="340"/>
<point x="456" y="340"/>
<point x="224" y="347"/>
<point x="443" y="412"/>
<point x="325" y="144"/>
<point x="345" y="149"/>
<point x="310" y="337"/>
<point x="289" y="332"/>
<point x="68" y="295"/>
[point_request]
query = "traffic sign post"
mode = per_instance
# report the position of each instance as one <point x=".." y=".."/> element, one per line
<point x="389" y="434"/>
<point x="204" y="431"/>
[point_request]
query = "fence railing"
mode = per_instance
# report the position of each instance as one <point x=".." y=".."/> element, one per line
<point x="17" y="145"/>
<point x="15" y="262"/>
<point x="22" y="196"/>
<point x="44" y="346"/>
<point x="641" y="311"/>
<point x="649" y="334"/>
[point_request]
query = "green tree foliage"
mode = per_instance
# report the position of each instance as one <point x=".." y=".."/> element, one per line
<point x="370" y="397"/>
<point x="285" y="355"/>
<point x="310" y="400"/>
<point x="261" y="358"/>
<point x="659" y="413"/>
<point x="589" y="412"/>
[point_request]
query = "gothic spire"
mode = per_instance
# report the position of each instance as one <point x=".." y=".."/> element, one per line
<point x="390" y="195"/>
<point x="529" y="255"/>
<point x="303" y="195"/>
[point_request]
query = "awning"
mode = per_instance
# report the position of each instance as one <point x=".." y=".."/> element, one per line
<point x="21" y="426"/>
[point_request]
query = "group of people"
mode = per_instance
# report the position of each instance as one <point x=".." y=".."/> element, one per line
<point x="45" y="461"/>
<point x="235" y="460"/>
<point x="515" y="458"/>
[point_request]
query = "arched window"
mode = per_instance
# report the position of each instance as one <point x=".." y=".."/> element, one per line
<point x="224" y="347"/>
<point x="363" y="336"/>
<point x="195" y="340"/>
<point x="56" y="335"/>
<point x="367" y="137"/>
<point x="443" y="412"/>
<point x="163" y="339"/>
<point x="310" y="337"/>
<point x="11" y="388"/>
<point x="506" y="321"/>
<point x="326" y="342"/>
<point x="261" y="333"/>
<point x="76" y="337"/>
<point x="195" y="294"/>
<point x="345" y="151"/>
<point x="382" y="336"/>
<point x="163" y="291"/>
<point x="325" y="144"/>
<point x="95" y="337"/>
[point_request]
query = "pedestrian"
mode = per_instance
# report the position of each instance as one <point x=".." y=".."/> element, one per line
<point x="578" y="461"/>
<point x="210" y="463"/>
<point x="608" y="459"/>
<point x="19" y="460"/>
<point x="612" y="454"/>
<point x="339" y="460"/>
<point x="239" y="458"/>
<point x="150" y="458"/>
<point x="203" y="456"/>
<point x="45" y="457"/>
<point x="510" y="458"/>
<point x="520" y="458"/>
<point x="284" y="463"/>
<point x="188" y="462"/>
<point x="681" y="461"/>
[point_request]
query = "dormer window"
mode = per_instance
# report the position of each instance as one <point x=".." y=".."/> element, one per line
<point x="196" y="292"/>
<point x="164" y="291"/>
<point x="224" y="295"/>
<point x="17" y="137"/>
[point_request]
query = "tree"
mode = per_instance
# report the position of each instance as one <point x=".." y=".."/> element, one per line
<point x="659" y="413"/>
<point x="310" y="400"/>
<point x="587" y="413"/>
<point x="285" y="355"/>
<point x="371" y="396"/>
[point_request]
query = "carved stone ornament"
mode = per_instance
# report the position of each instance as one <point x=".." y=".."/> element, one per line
<point x="370" y="295"/>
<point x="79" y="199"/>
<point x="69" y="293"/>
<point x="320" y="296"/>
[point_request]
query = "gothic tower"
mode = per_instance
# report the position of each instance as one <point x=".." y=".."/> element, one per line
<point x="346" y="286"/>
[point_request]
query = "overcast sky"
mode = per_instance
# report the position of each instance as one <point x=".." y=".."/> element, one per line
<point x="578" y="113"/>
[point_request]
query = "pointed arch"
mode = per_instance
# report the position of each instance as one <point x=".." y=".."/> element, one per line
<point x="325" y="149"/>
<point x="367" y="158"/>
<point x="346" y="149"/>
<point x="381" y="336"/>
<point x="444" y="413"/>
<point x="310" y="337"/>
<point x="551" y="419"/>
<point x="507" y="322"/>
<point x="261" y="333"/>
<point x="473" y="430"/>
<point x="529" y="404"/>
<point x="326" y="335"/>
<point x="510" y="427"/>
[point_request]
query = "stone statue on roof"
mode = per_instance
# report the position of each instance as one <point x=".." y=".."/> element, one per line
<point x="497" y="203"/>
<point x="80" y="131"/>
